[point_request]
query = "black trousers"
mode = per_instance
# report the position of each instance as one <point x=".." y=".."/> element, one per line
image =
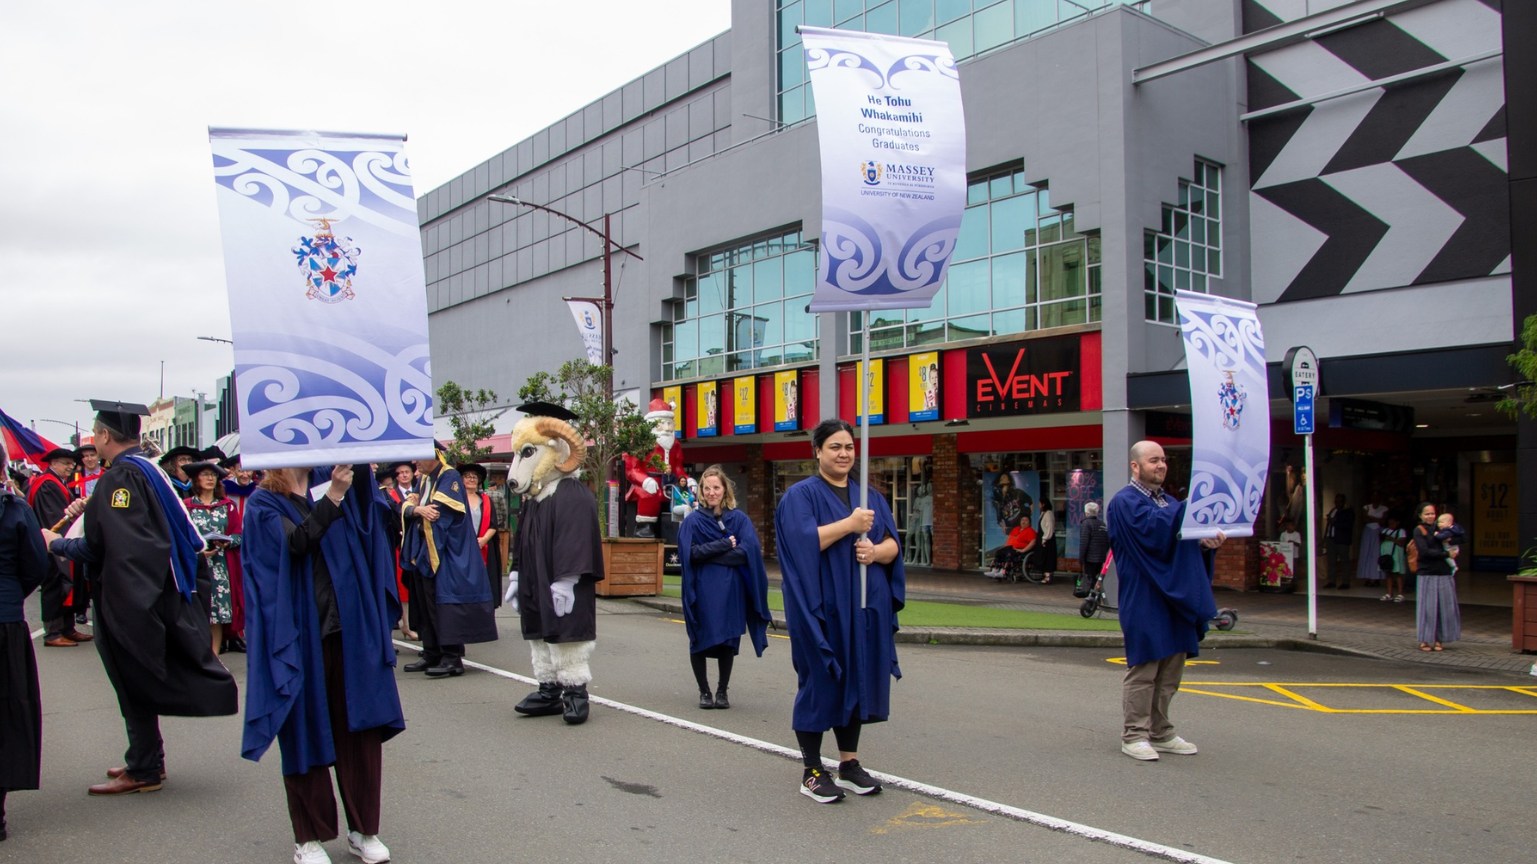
<point x="145" y="757"/>
<point x="58" y="618"/>
<point x="433" y="650"/>
<point x="359" y="768"/>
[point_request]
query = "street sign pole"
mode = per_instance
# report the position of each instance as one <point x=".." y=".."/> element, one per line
<point x="1302" y="373"/>
<point x="1308" y="541"/>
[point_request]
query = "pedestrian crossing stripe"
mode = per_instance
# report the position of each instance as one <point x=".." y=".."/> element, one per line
<point x="919" y="815"/>
<point x="1287" y="695"/>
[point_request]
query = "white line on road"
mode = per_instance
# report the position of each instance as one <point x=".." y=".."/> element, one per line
<point x="1018" y="814"/>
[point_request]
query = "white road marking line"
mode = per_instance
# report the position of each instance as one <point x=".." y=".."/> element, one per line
<point x="1088" y="832"/>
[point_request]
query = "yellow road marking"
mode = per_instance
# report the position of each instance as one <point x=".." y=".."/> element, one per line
<point x="919" y="815"/>
<point x="1419" y="691"/>
<point x="1121" y="661"/>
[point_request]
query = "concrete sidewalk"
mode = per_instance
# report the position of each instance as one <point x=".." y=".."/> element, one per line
<point x="1349" y="622"/>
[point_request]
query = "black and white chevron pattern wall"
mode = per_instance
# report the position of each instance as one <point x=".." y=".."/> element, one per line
<point x="1398" y="184"/>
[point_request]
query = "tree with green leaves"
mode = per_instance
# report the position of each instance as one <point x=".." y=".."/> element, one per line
<point x="1523" y="398"/>
<point x="472" y="418"/>
<point x="611" y="427"/>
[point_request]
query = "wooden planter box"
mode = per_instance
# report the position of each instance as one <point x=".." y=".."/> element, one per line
<point x="632" y="566"/>
<point x="1523" y="629"/>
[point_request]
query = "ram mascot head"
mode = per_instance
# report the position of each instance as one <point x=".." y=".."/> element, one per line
<point x="545" y="451"/>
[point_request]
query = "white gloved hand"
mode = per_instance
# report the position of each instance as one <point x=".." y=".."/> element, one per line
<point x="562" y="597"/>
<point x="510" y="597"/>
<point x="693" y="485"/>
<point x="650" y="485"/>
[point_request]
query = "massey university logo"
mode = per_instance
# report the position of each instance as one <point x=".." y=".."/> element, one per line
<point x="328" y="264"/>
<point x="587" y="320"/>
<point x="1232" y="397"/>
<point x="872" y="171"/>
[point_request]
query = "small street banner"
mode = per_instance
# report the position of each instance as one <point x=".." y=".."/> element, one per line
<point x="1230" y="414"/>
<point x="589" y="323"/>
<point x="893" y="142"/>
<point x="327" y="297"/>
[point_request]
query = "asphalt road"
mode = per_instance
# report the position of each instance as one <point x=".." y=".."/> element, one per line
<point x="999" y="754"/>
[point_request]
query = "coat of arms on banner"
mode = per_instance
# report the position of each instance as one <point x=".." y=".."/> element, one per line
<point x="328" y="263"/>
<point x="1232" y="398"/>
<point x="872" y="172"/>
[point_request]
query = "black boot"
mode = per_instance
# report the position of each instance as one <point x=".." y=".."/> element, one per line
<point x="721" y="701"/>
<point x="574" y="700"/>
<point x="542" y="702"/>
<point x="706" y="700"/>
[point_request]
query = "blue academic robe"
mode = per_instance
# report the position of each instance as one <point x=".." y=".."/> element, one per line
<point x="1165" y="594"/>
<point x="445" y="553"/>
<point x="285" y="673"/>
<point x="844" y="656"/>
<point x="725" y="588"/>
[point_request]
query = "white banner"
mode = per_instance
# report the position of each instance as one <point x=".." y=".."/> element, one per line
<point x="589" y="323"/>
<point x="893" y="140"/>
<point x="1230" y="414"/>
<point x="327" y="297"/>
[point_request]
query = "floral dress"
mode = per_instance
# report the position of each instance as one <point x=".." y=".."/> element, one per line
<point x="215" y="519"/>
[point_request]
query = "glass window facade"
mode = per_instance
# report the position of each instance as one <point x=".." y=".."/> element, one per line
<point x="1018" y="265"/>
<point x="970" y="27"/>
<point x="1185" y="253"/>
<point x="743" y="307"/>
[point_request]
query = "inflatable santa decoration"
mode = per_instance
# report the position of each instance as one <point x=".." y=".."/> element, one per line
<point x="650" y="473"/>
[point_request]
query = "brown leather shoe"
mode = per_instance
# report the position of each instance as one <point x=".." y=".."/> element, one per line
<point x="124" y="785"/>
<point x="122" y="771"/>
<point x="59" y="642"/>
<point x="77" y="636"/>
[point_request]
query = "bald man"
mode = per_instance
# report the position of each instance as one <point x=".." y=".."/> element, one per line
<point x="1165" y="601"/>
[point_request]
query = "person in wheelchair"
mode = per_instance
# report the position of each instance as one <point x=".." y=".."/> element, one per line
<point x="1014" y="555"/>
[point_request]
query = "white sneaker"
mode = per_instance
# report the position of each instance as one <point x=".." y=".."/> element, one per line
<point x="1174" y="745"/>
<point x="1398" y="598"/>
<point x="368" y="847"/>
<point x="1385" y="597"/>
<point x="310" y="852"/>
<point x="1140" y="750"/>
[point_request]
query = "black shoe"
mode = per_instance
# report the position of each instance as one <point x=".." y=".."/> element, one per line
<point x="417" y="666"/>
<point x="573" y="700"/>
<point x="721" y="701"/>
<point x="80" y="618"/>
<point x="816" y="785"/>
<point x="542" y="702"/>
<point x="706" y="700"/>
<point x="446" y="669"/>
<point x="235" y="645"/>
<point x="853" y="777"/>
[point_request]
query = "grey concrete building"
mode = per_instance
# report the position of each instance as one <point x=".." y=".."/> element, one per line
<point x="1345" y="165"/>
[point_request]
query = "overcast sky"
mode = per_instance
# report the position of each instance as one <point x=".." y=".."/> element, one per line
<point x="109" y="236"/>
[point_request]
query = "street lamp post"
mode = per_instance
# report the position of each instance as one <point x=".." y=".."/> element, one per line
<point x="606" y="303"/>
<point x="76" y="424"/>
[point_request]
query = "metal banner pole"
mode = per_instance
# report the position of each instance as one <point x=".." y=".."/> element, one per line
<point x="864" y="443"/>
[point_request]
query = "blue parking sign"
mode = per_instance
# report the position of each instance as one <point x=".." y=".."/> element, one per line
<point x="1302" y="410"/>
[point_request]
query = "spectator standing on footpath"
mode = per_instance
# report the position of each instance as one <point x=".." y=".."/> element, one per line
<point x="1165" y="601"/>
<point x="1093" y="548"/>
<point x="1438" y="617"/>
<point x="1339" y="531"/>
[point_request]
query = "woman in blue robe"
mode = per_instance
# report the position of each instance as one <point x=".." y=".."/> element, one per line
<point x="320" y="604"/>
<point x="722" y="576"/>
<point x="844" y="653"/>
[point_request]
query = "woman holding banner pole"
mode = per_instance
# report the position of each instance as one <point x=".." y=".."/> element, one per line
<point x="844" y="651"/>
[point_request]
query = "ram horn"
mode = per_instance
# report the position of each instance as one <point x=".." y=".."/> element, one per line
<point x="552" y="427"/>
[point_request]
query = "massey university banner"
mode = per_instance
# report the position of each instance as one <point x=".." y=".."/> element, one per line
<point x="893" y="143"/>
<point x="589" y="323"/>
<point x="327" y="297"/>
<point x="1230" y="414"/>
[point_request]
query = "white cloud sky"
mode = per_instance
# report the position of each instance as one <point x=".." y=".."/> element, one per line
<point x="109" y="235"/>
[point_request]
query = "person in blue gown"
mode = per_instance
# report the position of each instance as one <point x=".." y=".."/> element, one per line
<point x="725" y="588"/>
<point x="23" y="566"/>
<point x="1165" y="601"/>
<point x="320" y="604"/>
<point x="844" y="652"/>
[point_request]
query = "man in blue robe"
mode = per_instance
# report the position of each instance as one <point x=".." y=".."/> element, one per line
<point x="439" y="547"/>
<point x="1165" y="601"/>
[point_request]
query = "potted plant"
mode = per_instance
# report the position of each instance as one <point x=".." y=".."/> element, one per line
<point x="612" y="428"/>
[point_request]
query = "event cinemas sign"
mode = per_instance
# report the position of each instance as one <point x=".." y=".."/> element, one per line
<point x="1037" y="376"/>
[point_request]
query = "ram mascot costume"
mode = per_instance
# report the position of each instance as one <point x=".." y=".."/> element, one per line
<point x="560" y="560"/>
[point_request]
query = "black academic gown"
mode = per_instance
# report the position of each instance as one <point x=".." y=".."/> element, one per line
<point x="23" y="561"/>
<point x="154" y="644"/>
<point x="49" y="496"/>
<point x="559" y="537"/>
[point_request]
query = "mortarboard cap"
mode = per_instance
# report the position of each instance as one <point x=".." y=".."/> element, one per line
<point x="548" y="409"/>
<point x="120" y="417"/>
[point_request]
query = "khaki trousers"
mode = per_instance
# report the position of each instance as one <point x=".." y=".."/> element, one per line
<point x="1146" y="692"/>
